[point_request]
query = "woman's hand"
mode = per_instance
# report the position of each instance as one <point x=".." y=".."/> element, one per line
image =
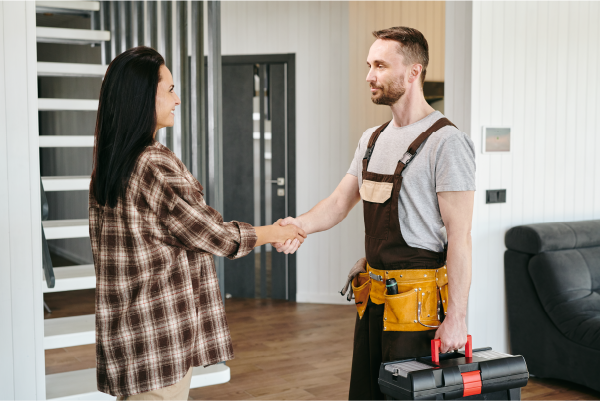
<point x="289" y="232"/>
<point x="277" y="233"/>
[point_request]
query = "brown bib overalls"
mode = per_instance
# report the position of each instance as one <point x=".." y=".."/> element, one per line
<point x="389" y="328"/>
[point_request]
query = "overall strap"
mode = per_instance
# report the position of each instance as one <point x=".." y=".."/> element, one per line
<point x="412" y="150"/>
<point x="372" y="143"/>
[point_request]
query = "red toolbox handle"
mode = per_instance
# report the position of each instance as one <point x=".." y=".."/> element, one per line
<point x="435" y="345"/>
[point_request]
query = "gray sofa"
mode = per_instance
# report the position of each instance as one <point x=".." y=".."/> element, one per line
<point x="552" y="288"/>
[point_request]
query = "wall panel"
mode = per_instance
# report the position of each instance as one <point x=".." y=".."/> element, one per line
<point x="22" y="329"/>
<point x="368" y="16"/>
<point x="535" y="68"/>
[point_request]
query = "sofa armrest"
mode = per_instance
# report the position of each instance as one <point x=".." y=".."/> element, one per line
<point x="565" y="283"/>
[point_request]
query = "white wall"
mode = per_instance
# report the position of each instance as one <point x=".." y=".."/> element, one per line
<point x="21" y="312"/>
<point x="535" y="68"/>
<point x="458" y="64"/>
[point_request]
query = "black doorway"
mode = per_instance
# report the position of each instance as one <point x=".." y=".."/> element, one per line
<point x="259" y="177"/>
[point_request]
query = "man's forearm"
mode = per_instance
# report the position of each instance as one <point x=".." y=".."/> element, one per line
<point x="333" y="209"/>
<point x="459" y="270"/>
<point x="325" y="215"/>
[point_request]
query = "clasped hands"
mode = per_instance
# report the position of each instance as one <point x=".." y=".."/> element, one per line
<point x="291" y="245"/>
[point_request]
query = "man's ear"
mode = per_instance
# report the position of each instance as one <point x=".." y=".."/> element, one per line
<point x="414" y="72"/>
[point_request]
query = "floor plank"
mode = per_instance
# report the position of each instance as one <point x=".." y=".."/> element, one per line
<point x="284" y="350"/>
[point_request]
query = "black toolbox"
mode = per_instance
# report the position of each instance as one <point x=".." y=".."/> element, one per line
<point x="481" y="374"/>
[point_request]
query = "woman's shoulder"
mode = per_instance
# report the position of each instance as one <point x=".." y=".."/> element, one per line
<point x="158" y="157"/>
<point x="158" y="167"/>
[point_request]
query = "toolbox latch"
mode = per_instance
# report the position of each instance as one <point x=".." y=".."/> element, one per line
<point x="472" y="383"/>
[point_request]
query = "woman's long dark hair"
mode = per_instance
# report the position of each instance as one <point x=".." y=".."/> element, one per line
<point x="125" y="122"/>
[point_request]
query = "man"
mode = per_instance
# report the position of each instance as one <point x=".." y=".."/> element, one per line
<point x="416" y="177"/>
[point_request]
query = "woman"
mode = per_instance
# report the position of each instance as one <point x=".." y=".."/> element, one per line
<point x="158" y="306"/>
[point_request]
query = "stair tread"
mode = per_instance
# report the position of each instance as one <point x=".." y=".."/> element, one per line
<point x="66" y="183"/>
<point x="70" y="278"/>
<point x="48" y="69"/>
<point x="59" y="229"/>
<point x="57" y="141"/>
<point x="70" y="272"/>
<point x="63" y="332"/>
<point x="81" y="384"/>
<point x="61" y="326"/>
<point x="70" y="5"/>
<point x="65" y="223"/>
<point x="70" y="35"/>
<point x="46" y="104"/>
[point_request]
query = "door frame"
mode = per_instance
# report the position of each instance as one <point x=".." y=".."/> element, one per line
<point x="289" y="59"/>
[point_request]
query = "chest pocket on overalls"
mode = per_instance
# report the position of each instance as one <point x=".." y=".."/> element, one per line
<point x="376" y="207"/>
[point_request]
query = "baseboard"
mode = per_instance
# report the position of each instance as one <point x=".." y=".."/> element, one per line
<point x="77" y="259"/>
<point x="335" y="298"/>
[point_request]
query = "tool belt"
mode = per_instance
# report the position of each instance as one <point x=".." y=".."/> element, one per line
<point x="423" y="295"/>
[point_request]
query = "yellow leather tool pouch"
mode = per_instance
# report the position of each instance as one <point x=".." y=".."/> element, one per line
<point x="361" y="286"/>
<point x="444" y="296"/>
<point x="414" y="309"/>
<point x="442" y="281"/>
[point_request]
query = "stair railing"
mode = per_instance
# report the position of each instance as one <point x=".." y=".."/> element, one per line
<point x="46" y="260"/>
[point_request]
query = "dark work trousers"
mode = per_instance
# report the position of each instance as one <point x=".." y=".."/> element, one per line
<point x="372" y="346"/>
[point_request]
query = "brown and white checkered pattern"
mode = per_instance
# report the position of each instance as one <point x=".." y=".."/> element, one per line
<point x="158" y="304"/>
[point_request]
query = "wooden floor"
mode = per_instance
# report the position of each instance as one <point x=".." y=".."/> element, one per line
<point x="283" y="351"/>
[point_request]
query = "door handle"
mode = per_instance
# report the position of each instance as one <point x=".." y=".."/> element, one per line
<point x="279" y="181"/>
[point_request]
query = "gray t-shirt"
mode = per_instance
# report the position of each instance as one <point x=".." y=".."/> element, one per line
<point x="445" y="162"/>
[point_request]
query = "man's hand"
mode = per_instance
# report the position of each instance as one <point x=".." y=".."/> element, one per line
<point x="452" y="333"/>
<point x="290" y="246"/>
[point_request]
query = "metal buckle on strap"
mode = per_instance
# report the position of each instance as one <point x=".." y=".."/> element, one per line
<point x="368" y="153"/>
<point x="406" y="159"/>
<point x="376" y="277"/>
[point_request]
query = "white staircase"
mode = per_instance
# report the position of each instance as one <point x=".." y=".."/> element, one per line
<point x="79" y="330"/>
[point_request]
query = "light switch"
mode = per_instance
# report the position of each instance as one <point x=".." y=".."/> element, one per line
<point x="496" y="196"/>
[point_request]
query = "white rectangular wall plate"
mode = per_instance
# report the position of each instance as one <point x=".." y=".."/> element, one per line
<point x="496" y="139"/>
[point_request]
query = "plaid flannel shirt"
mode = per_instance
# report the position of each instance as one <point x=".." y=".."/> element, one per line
<point x="158" y="304"/>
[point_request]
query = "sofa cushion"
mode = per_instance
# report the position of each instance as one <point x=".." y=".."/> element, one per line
<point x="567" y="284"/>
<point x="543" y="237"/>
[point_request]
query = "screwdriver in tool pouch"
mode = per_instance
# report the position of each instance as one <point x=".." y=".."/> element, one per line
<point x="391" y="287"/>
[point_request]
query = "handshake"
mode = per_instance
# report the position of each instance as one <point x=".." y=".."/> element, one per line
<point x="294" y="235"/>
<point x="284" y="235"/>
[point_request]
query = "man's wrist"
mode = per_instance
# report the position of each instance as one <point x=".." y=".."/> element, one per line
<point x="300" y="223"/>
<point x="454" y="315"/>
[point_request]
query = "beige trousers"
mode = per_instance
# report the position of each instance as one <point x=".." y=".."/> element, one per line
<point x="178" y="391"/>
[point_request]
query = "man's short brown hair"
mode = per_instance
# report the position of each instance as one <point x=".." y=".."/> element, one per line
<point x="412" y="45"/>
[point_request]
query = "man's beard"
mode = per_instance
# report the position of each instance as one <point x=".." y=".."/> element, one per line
<point x="389" y="95"/>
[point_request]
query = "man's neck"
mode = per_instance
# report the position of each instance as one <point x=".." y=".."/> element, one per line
<point x="410" y="108"/>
